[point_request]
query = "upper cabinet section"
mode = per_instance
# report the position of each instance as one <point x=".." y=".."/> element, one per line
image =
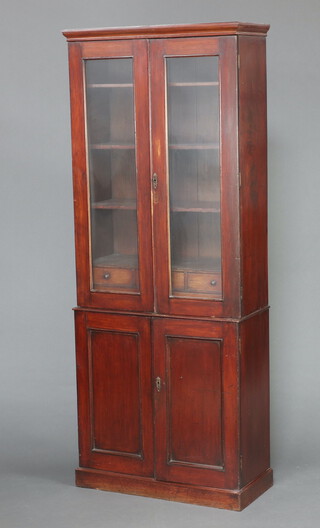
<point x="165" y="205"/>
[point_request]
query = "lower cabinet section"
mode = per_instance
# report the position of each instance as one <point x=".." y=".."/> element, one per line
<point x="159" y="408"/>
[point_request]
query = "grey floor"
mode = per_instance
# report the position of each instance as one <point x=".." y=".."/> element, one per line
<point x="50" y="500"/>
<point x="38" y="454"/>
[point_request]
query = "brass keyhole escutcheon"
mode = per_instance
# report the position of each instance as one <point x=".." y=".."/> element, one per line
<point x="155" y="181"/>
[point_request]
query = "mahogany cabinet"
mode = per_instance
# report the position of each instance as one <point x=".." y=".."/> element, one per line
<point x="170" y="197"/>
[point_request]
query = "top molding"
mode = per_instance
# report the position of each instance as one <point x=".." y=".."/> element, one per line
<point x="181" y="30"/>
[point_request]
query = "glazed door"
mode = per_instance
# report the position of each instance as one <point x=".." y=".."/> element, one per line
<point x="196" y="394"/>
<point x="114" y="393"/>
<point x="110" y="125"/>
<point x="195" y="198"/>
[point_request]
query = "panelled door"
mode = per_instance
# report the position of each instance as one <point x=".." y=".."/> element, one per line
<point x="114" y="375"/>
<point x="196" y="393"/>
<point x="195" y="175"/>
<point x="111" y="168"/>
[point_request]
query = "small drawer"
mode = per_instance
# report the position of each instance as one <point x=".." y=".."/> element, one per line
<point x="204" y="282"/>
<point x="114" y="277"/>
<point x="178" y="281"/>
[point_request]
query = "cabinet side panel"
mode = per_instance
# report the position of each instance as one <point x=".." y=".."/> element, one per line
<point x="83" y="401"/>
<point x="253" y="170"/>
<point x="254" y="383"/>
<point x="79" y="168"/>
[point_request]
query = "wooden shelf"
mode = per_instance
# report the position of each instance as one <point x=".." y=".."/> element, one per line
<point x="117" y="260"/>
<point x="114" y="203"/>
<point x="210" y="265"/>
<point x="209" y="83"/>
<point x="113" y="146"/>
<point x="110" y="85"/>
<point x="196" y="207"/>
<point x="194" y="146"/>
<point x="189" y="207"/>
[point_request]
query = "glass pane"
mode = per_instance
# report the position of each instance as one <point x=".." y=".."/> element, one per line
<point x="112" y="174"/>
<point x="194" y="176"/>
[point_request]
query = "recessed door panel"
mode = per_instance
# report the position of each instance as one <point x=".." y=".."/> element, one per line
<point x="116" y="394"/>
<point x="194" y="401"/>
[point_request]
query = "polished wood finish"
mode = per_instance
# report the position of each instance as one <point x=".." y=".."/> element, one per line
<point x="172" y="341"/>
<point x="254" y="396"/>
<point x="253" y="171"/>
<point x="108" y="277"/>
<point x="215" y="497"/>
<point x="181" y="30"/>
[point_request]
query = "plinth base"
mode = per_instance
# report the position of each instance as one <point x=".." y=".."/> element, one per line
<point x="148" y="487"/>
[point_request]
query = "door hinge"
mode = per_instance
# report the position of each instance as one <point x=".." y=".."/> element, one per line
<point x="241" y="462"/>
<point x="239" y="61"/>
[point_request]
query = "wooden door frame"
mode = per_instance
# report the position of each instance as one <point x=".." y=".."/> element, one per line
<point x="138" y="51"/>
<point x="139" y="327"/>
<point x="227" y="335"/>
<point x="226" y="49"/>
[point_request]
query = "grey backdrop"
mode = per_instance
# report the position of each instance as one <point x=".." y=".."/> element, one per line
<point x="38" y="446"/>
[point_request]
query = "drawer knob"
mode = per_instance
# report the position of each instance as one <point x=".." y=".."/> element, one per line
<point x="106" y="276"/>
<point x="213" y="282"/>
